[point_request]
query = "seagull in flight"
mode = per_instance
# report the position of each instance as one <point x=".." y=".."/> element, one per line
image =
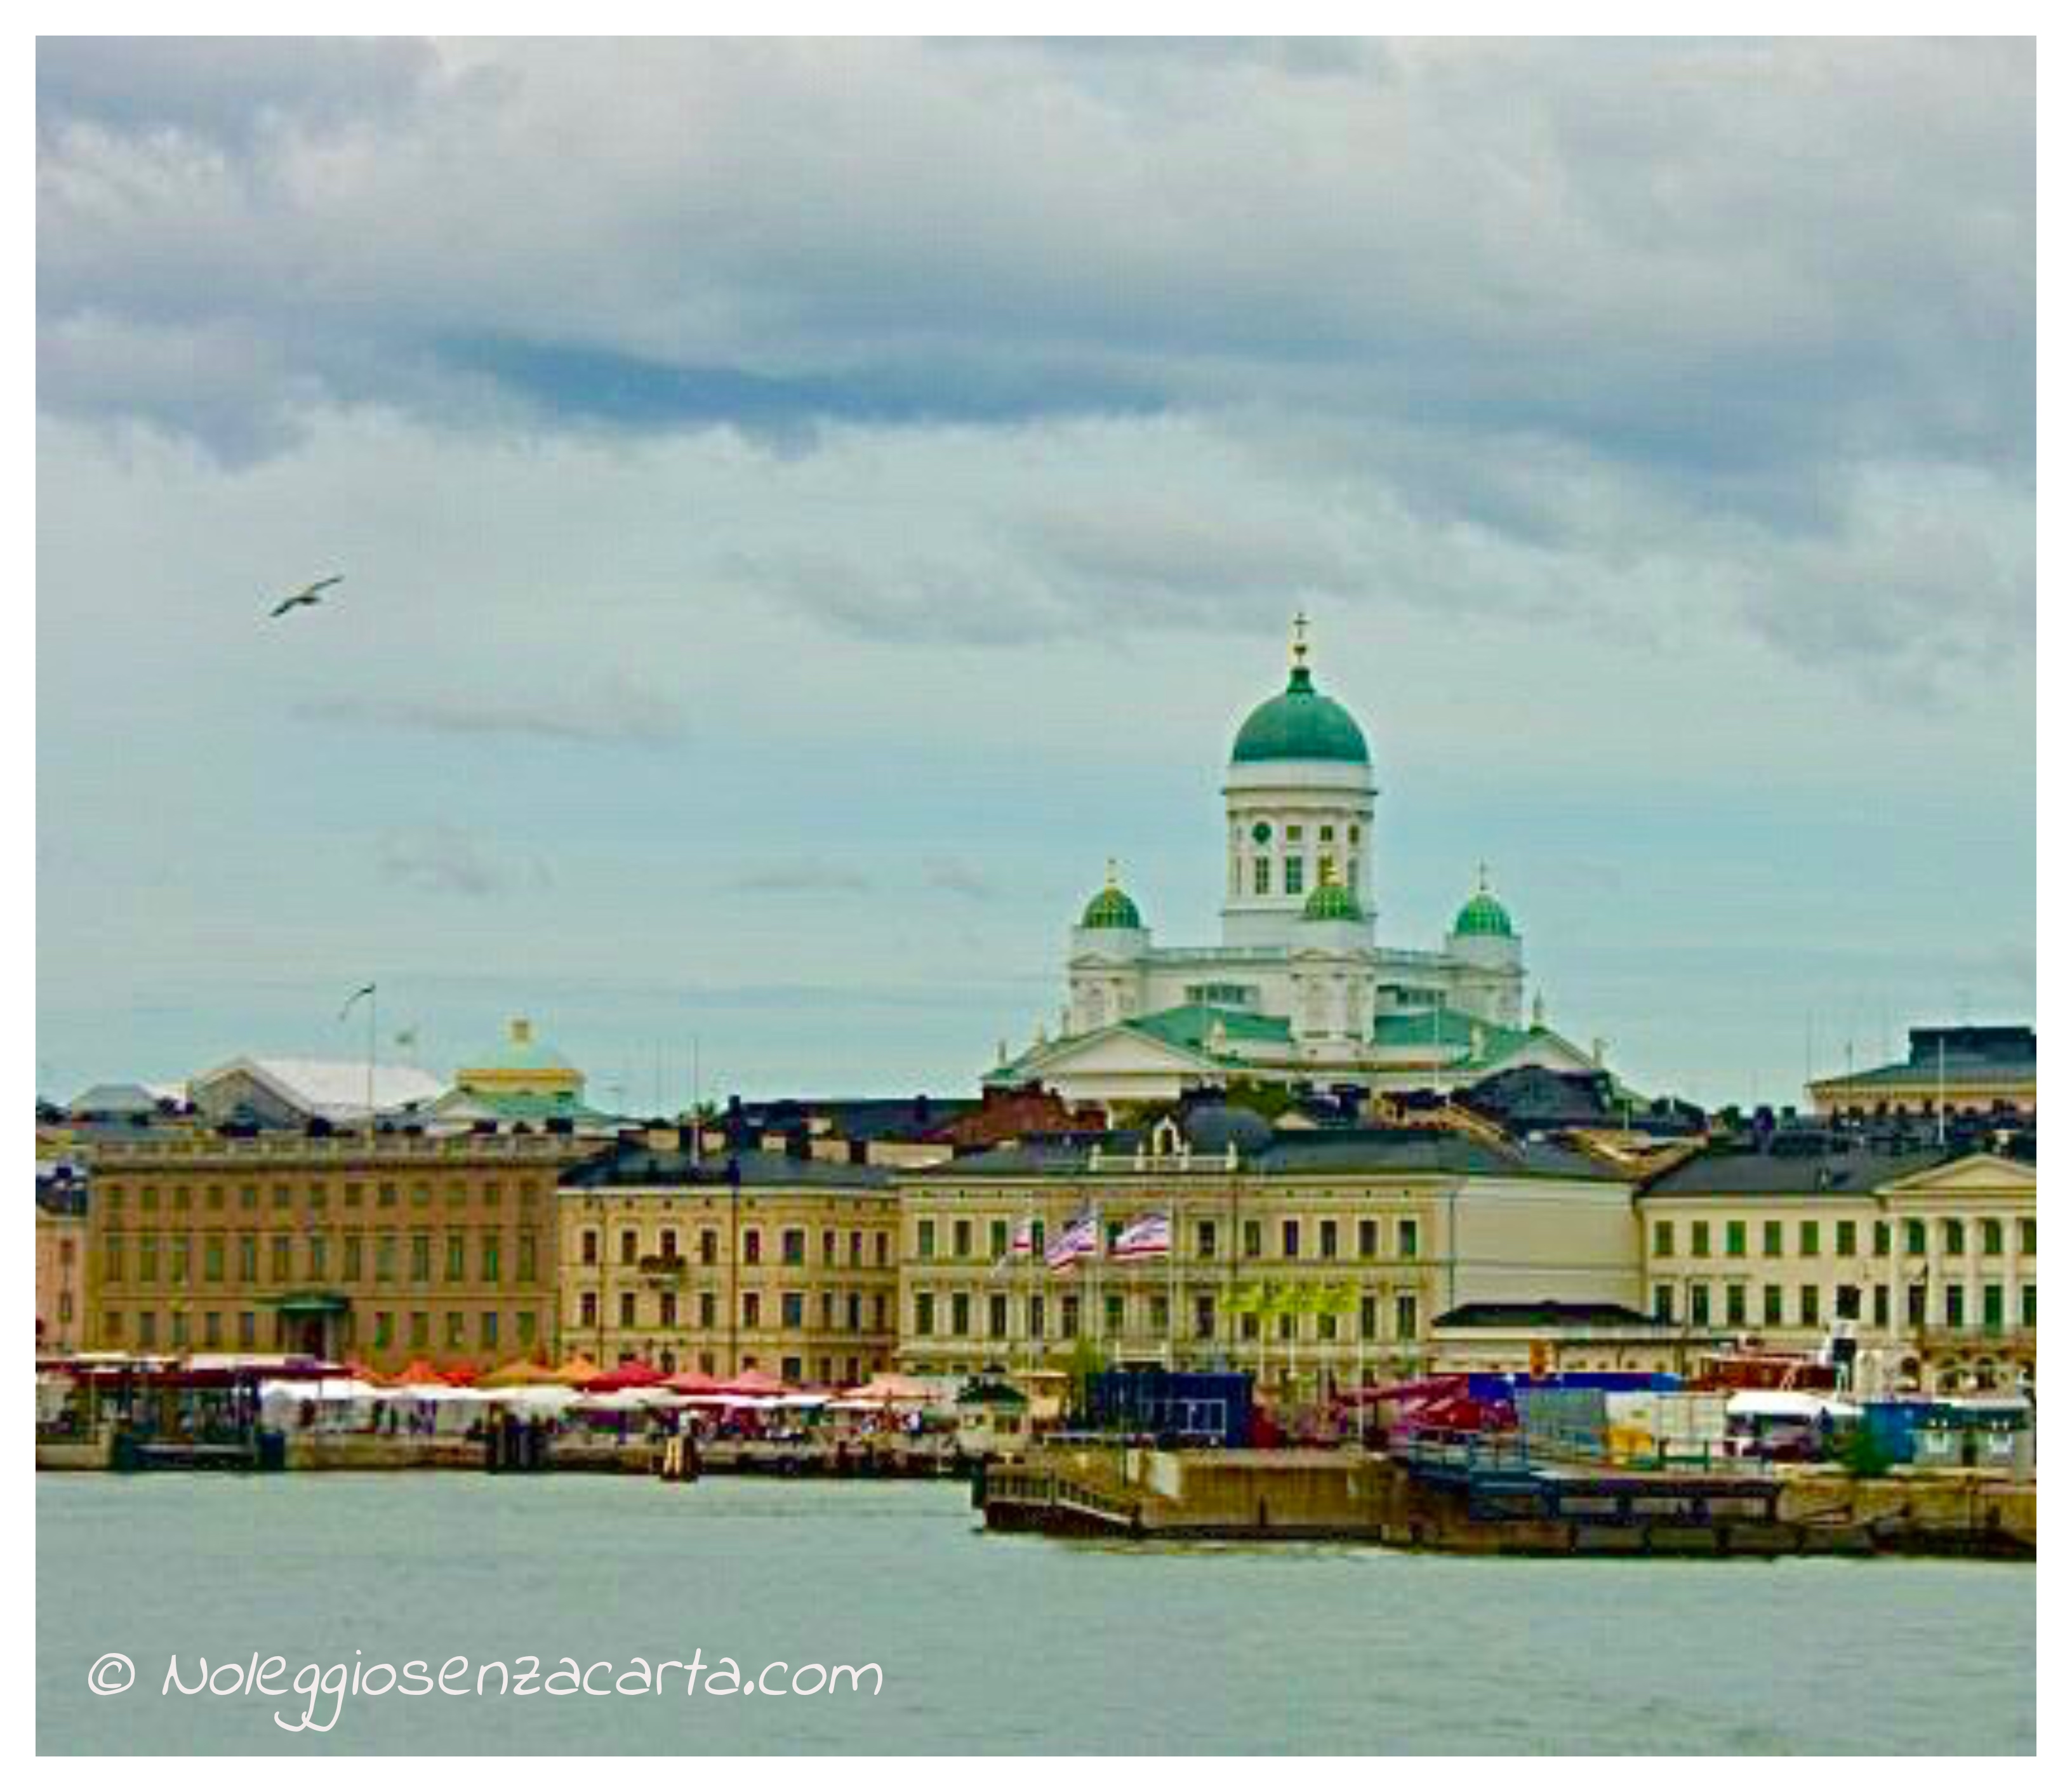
<point x="309" y="594"/>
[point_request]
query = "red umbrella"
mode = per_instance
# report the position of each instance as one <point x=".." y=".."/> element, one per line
<point x="417" y="1372"/>
<point x="692" y="1381"/>
<point x="462" y="1375"/>
<point x="627" y="1375"/>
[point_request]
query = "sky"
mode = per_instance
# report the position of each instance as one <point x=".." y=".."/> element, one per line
<point x="805" y="506"/>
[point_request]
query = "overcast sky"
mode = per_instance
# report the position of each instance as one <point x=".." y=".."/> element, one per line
<point x="803" y="506"/>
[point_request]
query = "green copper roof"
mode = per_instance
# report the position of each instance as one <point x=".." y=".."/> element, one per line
<point x="1112" y="908"/>
<point x="1332" y="902"/>
<point x="1191" y="1024"/>
<point x="1482" y="913"/>
<point x="1301" y="723"/>
<point x="1448" y="1028"/>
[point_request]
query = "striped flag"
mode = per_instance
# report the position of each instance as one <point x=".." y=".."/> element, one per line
<point x="1081" y="1239"/>
<point x="1021" y="1247"/>
<point x="1147" y="1236"/>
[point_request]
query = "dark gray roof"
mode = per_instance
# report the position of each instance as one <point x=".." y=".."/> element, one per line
<point x="1362" y="1150"/>
<point x="1836" y="1170"/>
<point x="1495" y="1314"/>
<point x="638" y="1166"/>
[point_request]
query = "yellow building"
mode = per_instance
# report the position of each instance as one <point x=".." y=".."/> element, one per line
<point x="1304" y="1256"/>
<point x="522" y="1066"/>
<point x="380" y="1248"/>
<point x="1950" y="1071"/>
<point x="63" y="1324"/>
<point x="1925" y="1260"/>
<point x="726" y="1262"/>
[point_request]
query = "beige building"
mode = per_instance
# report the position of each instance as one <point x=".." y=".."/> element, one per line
<point x="62" y="1325"/>
<point x="1308" y="1255"/>
<point x="1927" y="1261"/>
<point x="726" y="1262"/>
<point x="1950" y="1071"/>
<point x="381" y="1248"/>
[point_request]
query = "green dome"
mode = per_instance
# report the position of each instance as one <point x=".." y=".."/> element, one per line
<point x="1332" y="902"/>
<point x="1482" y="913"/>
<point x="1112" y="908"/>
<point x="1301" y="723"/>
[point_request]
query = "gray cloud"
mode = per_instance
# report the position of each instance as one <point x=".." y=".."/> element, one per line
<point x="442" y="859"/>
<point x="612" y="711"/>
<point x="960" y="879"/>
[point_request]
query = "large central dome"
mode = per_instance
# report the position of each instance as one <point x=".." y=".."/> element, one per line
<point x="1301" y="723"/>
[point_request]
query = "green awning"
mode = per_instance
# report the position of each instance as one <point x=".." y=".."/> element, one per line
<point x="312" y="1300"/>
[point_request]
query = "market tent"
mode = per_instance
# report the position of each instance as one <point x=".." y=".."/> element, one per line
<point x="752" y="1381"/>
<point x="890" y="1391"/>
<point x="462" y="1375"/>
<point x="628" y="1400"/>
<point x="578" y="1370"/>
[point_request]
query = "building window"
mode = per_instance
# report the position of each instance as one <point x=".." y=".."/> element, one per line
<point x="492" y="1258"/>
<point x="1665" y="1302"/>
<point x="996" y="1316"/>
<point x="319" y="1257"/>
<point x="1809" y="1303"/>
<point x="1701" y="1303"/>
<point x="147" y="1329"/>
<point x="1917" y="1237"/>
<point x="1406" y="1316"/>
<point x="528" y="1328"/>
<point x="996" y="1235"/>
<point x="1113" y="1319"/>
<point x="247" y="1331"/>
<point x="283" y="1264"/>
<point x="1848" y="1301"/>
<point x="1773" y="1304"/>
<point x="961" y="1238"/>
<point x="794" y="1246"/>
<point x="352" y="1255"/>
<point x="1370" y="1317"/>
<point x="1253" y="1244"/>
<point x="1737" y="1238"/>
<point x="1205" y="1317"/>
<point x="1845" y="1238"/>
<point x="2028" y="1306"/>
<point x="924" y="1315"/>
<point x="1205" y="1240"/>
<point x="1809" y="1238"/>
<point x="420" y="1330"/>
<point x="1068" y="1317"/>
<point x="1406" y="1239"/>
<point x="751" y="1246"/>
<point x="211" y="1260"/>
<point x="489" y="1331"/>
<point x="1262" y="876"/>
<point x="1953" y="1306"/>
<point x="528" y="1253"/>
<point x="1327" y="1239"/>
<point x="629" y="1310"/>
<point x="111" y="1260"/>
<point x="456" y="1331"/>
<point x="751" y="1310"/>
<point x="1291" y="1238"/>
<point x="1701" y="1238"/>
<point x="1736" y="1304"/>
<point x="1035" y="1316"/>
<point x="793" y="1309"/>
<point x="1294" y="880"/>
<point x="1773" y="1238"/>
<point x="708" y="1310"/>
<point x="421" y="1256"/>
<point x="1916" y="1305"/>
<point x="179" y="1336"/>
<point x="629" y="1248"/>
<point x="959" y="1315"/>
<point x="1993" y="1242"/>
<point x="1370" y="1238"/>
<point x="856" y="1250"/>
<point x="1953" y="1237"/>
<point x="924" y="1239"/>
<point x="384" y="1330"/>
<point x="708" y="1248"/>
<point x="211" y="1326"/>
<point x="589" y="1248"/>
<point x="2029" y="1237"/>
<point x="589" y="1309"/>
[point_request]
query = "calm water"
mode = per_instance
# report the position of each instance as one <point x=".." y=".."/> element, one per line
<point x="987" y="1644"/>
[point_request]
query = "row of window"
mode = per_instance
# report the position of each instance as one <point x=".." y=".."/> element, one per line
<point x="314" y="1196"/>
<point x="224" y="1257"/>
<point x="1959" y="1237"/>
<point x="213" y="1328"/>
<point x="1157" y="1311"/>
<point x="1329" y="1238"/>
<point x="1804" y="1304"/>
<point x="790" y="1246"/>
<point x="1292" y="875"/>
<point x="837" y="1313"/>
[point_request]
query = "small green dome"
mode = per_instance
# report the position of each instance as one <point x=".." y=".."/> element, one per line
<point x="1483" y="914"/>
<point x="1112" y="908"/>
<point x="1332" y="902"/>
<point x="1301" y="723"/>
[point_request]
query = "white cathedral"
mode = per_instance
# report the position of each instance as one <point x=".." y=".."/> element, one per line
<point x="1298" y="993"/>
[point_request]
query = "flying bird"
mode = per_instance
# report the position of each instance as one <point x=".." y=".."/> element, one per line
<point x="307" y="595"/>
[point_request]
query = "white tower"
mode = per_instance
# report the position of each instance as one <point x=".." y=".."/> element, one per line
<point x="1490" y="982"/>
<point x="1298" y="807"/>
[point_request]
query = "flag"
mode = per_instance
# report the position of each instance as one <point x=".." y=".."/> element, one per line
<point x="1147" y="1235"/>
<point x="1081" y="1239"/>
<point x="1021" y="1246"/>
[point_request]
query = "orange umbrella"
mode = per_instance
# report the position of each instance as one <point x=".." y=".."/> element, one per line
<point x="523" y="1374"/>
<point x="462" y="1375"/>
<point x="416" y="1373"/>
<point x="577" y="1370"/>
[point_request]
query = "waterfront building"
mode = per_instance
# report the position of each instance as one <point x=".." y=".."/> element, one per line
<point x="522" y="1081"/>
<point x="1947" y="1071"/>
<point x="61" y="1245"/>
<point x="1299" y="990"/>
<point x="1562" y="1336"/>
<point x="1924" y="1260"/>
<point x="379" y="1247"/>
<point x="1306" y="1255"/>
<point x="728" y="1262"/>
<point x="294" y="1091"/>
